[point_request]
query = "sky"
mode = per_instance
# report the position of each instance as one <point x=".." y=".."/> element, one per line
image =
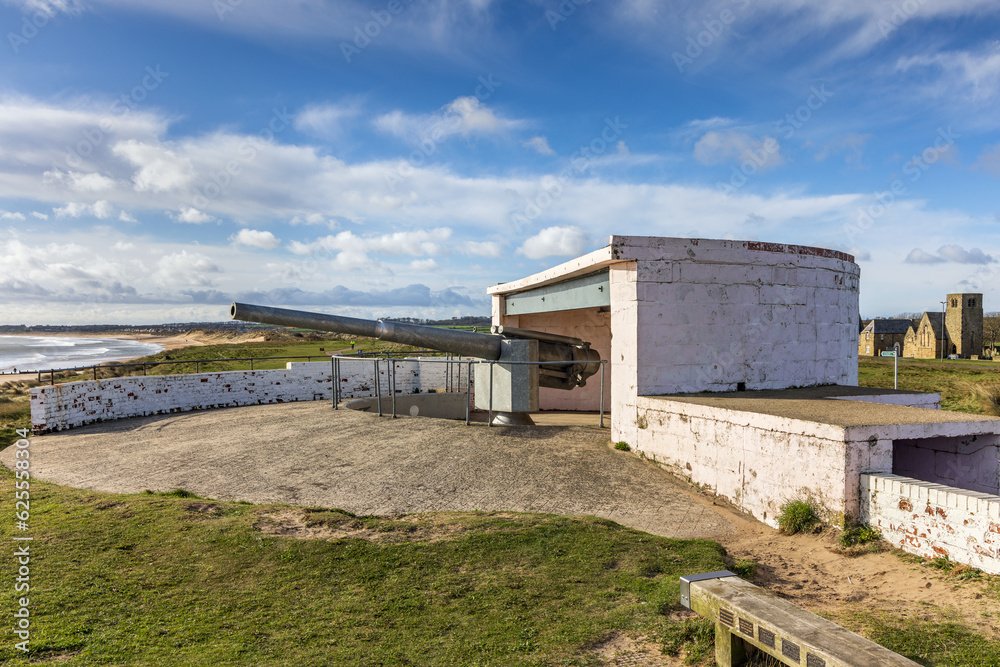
<point x="160" y="159"/>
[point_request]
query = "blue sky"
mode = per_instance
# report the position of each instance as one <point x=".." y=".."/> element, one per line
<point x="160" y="159"/>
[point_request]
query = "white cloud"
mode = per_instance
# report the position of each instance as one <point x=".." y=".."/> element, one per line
<point x="555" y="242"/>
<point x="123" y="246"/>
<point x="918" y="256"/>
<point x="310" y="219"/>
<point x="463" y="116"/>
<point x="80" y="182"/>
<point x="160" y="169"/>
<point x="7" y="215"/>
<point x="125" y="217"/>
<point x="482" y="248"/>
<point x="421" y="242"/>
<point x="186" y="269"/>
<point x="255" y="238"/>
<point x="963" y="74"/>
<point x="429" y="264"/>
<point x="51" y="7"/>
<point x="959" y="255"/>
<point x="193" y="216"/>
<point x="99" y="209"/>
<point x="540" y="145"/>
<point x="40" y="216"/>
<point x="733" y="146"/>
<point x="949" y="253"/>
<point x="326" y="121"/>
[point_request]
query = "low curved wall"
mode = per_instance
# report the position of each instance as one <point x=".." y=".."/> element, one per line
<point x="63" y="406"/>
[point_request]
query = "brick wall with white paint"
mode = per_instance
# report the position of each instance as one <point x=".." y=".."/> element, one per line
<point x="62" y="406"/>
<point x="933" y="520"/>
<point x="757" y="461"/>
<point x="712" y="315"/>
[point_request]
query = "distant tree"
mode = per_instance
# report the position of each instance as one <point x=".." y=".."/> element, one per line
<point x="991" y="328"/>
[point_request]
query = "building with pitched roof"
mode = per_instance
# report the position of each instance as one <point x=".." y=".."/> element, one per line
<point x="880" y="335"/>
<point x="958" y="330"/>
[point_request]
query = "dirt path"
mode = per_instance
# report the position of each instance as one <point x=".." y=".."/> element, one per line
<point x="306" y="454"/>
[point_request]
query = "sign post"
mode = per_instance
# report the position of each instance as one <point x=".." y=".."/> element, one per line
<point x="894" y="353"/>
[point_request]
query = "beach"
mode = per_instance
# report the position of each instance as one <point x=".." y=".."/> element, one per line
<point x="167" y="343"/>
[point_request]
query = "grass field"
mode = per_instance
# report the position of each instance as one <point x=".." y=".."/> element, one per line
<point x="161" y="580"/>
<point x="954" y="380"/>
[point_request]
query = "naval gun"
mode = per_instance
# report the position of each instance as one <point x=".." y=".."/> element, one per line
<point x="561" y="362"/>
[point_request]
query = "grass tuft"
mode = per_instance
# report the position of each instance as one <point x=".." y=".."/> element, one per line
<point x="797" y="516"/>
<point x="622" y="446"/>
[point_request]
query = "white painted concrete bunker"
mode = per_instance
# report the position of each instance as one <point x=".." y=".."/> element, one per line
<point x="734" y="365"/>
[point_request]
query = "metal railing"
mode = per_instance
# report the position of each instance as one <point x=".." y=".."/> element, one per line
<point x="152" y="364"/>
<point x="335" y="394"/>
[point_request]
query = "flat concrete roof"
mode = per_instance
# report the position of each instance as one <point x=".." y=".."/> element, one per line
<point x="821" y="405"/>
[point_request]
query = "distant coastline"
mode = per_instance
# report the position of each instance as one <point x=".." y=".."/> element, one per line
<point x="151" y="345"/>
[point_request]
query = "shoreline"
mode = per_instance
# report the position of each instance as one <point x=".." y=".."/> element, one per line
<point x="168" y="343"/>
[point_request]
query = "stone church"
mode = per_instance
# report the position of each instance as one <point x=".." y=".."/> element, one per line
<point x="958" y="330"/>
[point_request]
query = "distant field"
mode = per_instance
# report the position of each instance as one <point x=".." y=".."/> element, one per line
<point x="955" y="380"/>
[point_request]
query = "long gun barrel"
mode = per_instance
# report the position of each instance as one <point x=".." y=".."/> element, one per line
<point x="551" y="348"/>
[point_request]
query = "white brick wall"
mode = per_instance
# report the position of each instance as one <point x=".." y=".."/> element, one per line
<point x="758" y="461"/>
<point x="62" y="406"/>
<point x="933" y="520"/>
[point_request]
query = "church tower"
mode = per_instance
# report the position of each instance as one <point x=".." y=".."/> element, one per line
<point x="963" y="320"/>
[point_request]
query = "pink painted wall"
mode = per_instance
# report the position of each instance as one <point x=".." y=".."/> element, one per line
<point x="591" y="325"/>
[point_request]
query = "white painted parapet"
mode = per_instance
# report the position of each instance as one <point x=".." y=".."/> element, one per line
<point x="933" y="520"/>
<point x="62" y="406"/>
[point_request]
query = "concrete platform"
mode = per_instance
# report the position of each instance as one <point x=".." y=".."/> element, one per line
<point x="307" y="454"/>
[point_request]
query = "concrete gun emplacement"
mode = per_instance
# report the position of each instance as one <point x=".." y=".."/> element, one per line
<point x="554" y="352"/>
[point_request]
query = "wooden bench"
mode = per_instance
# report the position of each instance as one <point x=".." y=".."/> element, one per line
<point x="748" y="616"/>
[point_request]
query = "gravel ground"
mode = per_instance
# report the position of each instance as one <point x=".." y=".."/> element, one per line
<point x="307" y="454"/>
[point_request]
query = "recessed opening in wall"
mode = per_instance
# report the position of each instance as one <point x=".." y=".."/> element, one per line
<point x="966" y="462"/>
<point x="741" y="386"/>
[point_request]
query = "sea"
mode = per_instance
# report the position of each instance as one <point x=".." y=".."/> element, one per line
<point x="39" y="353"/>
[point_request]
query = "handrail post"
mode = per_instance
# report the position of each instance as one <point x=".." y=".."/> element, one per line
<point x="378" y="389"/>
<point x="393" y="388"/>
<point x="468" y="395"/>
<point x="601" y="424"/>
<point x="334" y="381"/>
<point x="251" y="363"/>
<point x="489" y="416"/>
<point x="197" y="366"/>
